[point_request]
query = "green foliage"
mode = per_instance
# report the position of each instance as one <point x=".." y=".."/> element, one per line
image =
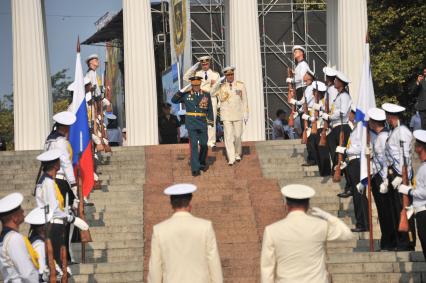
<point x="60" y="82"/>
<point x="397" y="36"/>
<point x="60" y="105"/>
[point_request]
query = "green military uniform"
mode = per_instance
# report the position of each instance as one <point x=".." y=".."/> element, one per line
<point x="199" y="113"/>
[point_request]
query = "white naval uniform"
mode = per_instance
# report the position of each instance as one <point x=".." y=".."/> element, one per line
<point x="394" y="153"/>
<point x="294" y="249"/>
<point x="380" y="165"/>
<point x="46" y="194"/>
<point x="299" y="72"/>
<point x="40" y="248"/>
<point x="93" y="77"/>
<point x="184" y="249"/>
<point x="233" y="109"/>
<point x="340" y="105"/>
<point x="206" y="85"/>
<point x="15" y="262"/>
<point x="60" y="142"/>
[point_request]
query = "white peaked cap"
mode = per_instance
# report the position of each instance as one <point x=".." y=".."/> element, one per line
<point x="353" y="108"/>
<point x="342" y="77"/>
<point x="228" y="68"/>
<point x="376" y="114"/>
<point x="10" y="202"/>
<point x="93" y="56"/>
<point x="392" y="108"/>
<point x="329" y="71"/>
<point x="180" y="189"/>
<point x="420" y="135"/>
<point x="49" y="155"/>
<point x="300" y="47"/>
<point x="320" y="86"/>
<point x="71" y="86"/>
<point x="38" y="217"/>
<point x="204" y="58"/>
<point x="66" y="118"/>
<point x="296" y="191"/>
<point x="110" y="116"/>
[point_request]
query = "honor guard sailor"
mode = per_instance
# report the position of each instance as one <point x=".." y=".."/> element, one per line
<point x="93" y="63"/>
<point x="47" y="193"/>
<point x="293" y="249"/>
<point x="398" y="153"/>
<point x="18" y="260"/>
<point x="299" y="72"/>
<point x="183" y="247"/>
<point x="199" y="114"/>
<point x="418" y="193"/>
<point x="208" y="79"/>
<point x="233" y="112"/>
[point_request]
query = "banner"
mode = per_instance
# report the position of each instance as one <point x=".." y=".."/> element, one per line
<point x="170" y="84"/>
<point x="180" y="35"/>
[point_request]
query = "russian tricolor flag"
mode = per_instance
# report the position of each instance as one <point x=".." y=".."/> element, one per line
<point x="79" y="136"/>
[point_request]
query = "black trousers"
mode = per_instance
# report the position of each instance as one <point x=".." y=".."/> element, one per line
<point x="310" y="147"/>
<point x="422" y="114"/>
<point x="404" y="240"/>
<point x="421" y="230"/>
<point x="57" y="235"/>
<point x="65" y="189"/>
<point x="322" y="155"/>
<point x="333" y="141"/>
<point x="360" y="200"/>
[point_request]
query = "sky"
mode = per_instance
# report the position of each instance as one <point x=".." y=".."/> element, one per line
<point x="65" y="21"/>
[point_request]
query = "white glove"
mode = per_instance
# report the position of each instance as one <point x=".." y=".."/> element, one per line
<point x="343" y="165"/>
<point x="360" y="188"/>
<point x="396" y="182"/>
<point x="295" y="114"/>
<point x="185" y="88"/>
<point x="410" y="211"/>
<point x="75" y="203"/>
<point x="96" y="139"/>
<point x="289" y="80"/>
<point x="195" y="66"/>
<point x="301" y="101"/>
<point x="308" y="132"/>
<point x="305" y="117"/>
<point x="316" y="106"/>
<point x="367" y="150"/>
<point x="318" y="212"/>
<point x="105" y="141"/>
<point x="222" y="79"/>
<point x="341" y="149"/>
<point x="384" y="187"/>
<point x="325" y="116"/>
<point x="106" y="102"/>
<point x="74" y="190"/>
<point x="293" y="101"/>
<point x="80" y="224"/>
<point x="404" y="189"/>
<point x="46" y="274"/>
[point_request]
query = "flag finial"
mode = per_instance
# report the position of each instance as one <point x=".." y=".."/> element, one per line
<point x="78" y="44"/>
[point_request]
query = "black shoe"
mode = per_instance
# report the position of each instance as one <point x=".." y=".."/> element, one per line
<point x="309" y="163"/>
<point x="204" y="168"/>
<point x="196" y="173"/>
<point x="345" y="194"/>
<point x="358" y="230"/>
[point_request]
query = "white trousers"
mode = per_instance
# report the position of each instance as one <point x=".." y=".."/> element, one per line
<point x="233" y="131"/>
<point x="212" y="130"/>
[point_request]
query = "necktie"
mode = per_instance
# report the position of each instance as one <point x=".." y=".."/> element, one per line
<point x="205" y="75"/>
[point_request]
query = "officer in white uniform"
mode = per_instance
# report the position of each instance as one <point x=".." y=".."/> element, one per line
<point x="183" y="247"/>
<point x="299" y="72"/>
<point x="47" y="193"/>
<point x="234" y="111"/>
<point x="330" y="75"/>
<point x="18" y="260"/>
<point x="398" y="153"/>
<point x="418" y="193"/>
<point x="93" y="63"/>
<point x="209" y="78"/>
<point x="379" y="177"/>
<point x="338" y="117"/>
<point x="294" y="249"/>
<point x="37" y="219"/>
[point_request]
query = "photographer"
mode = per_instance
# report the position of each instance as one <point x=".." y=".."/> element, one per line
<point x="419" y="90"/>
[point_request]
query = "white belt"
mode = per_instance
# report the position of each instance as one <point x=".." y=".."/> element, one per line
<point x="419" y="209"/>
<point x="60" y="177"/>
<point x="350" y="158"/>
<point x="57" y="221"/>
<point x="338" y="124"/>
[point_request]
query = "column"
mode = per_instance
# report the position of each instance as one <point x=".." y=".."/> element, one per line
<point x="31" y="76"/>
<point x="139" y="70"/>
<point x="332" y="39"/>
<point x="244" y="54"/>
<point x="352" y="26"/>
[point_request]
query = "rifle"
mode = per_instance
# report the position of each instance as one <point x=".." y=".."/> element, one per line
<point x="403" y="219"/>
<point x="316" y="112"/>
<point x="85" y="236"/>
<point x="305" y="122"/>
<point x="289" y="97"/>
<point x="50" y="260"/>
<point x="337" y="172"/>
<point x="323" y="139"/>
<point x="370" y="210"/>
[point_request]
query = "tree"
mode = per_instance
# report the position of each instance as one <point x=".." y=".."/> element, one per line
<point x="397" y="36"/>
<point x="60" y="82"/>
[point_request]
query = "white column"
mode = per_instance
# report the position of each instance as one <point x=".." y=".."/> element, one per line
<point x="244" y="54"/>
<point x="332" y="28"/>
<point x="31" y="75"/>
<point x="139" y="74"/>
<point x="352" y="29"/>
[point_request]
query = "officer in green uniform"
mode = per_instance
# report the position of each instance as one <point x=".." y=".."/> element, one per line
<point x="199" y="114"/>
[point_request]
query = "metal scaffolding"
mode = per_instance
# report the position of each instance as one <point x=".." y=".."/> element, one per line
<point x="282" y="23"/>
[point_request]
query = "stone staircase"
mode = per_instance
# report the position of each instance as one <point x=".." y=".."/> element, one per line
<point x="347" y="261"/>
